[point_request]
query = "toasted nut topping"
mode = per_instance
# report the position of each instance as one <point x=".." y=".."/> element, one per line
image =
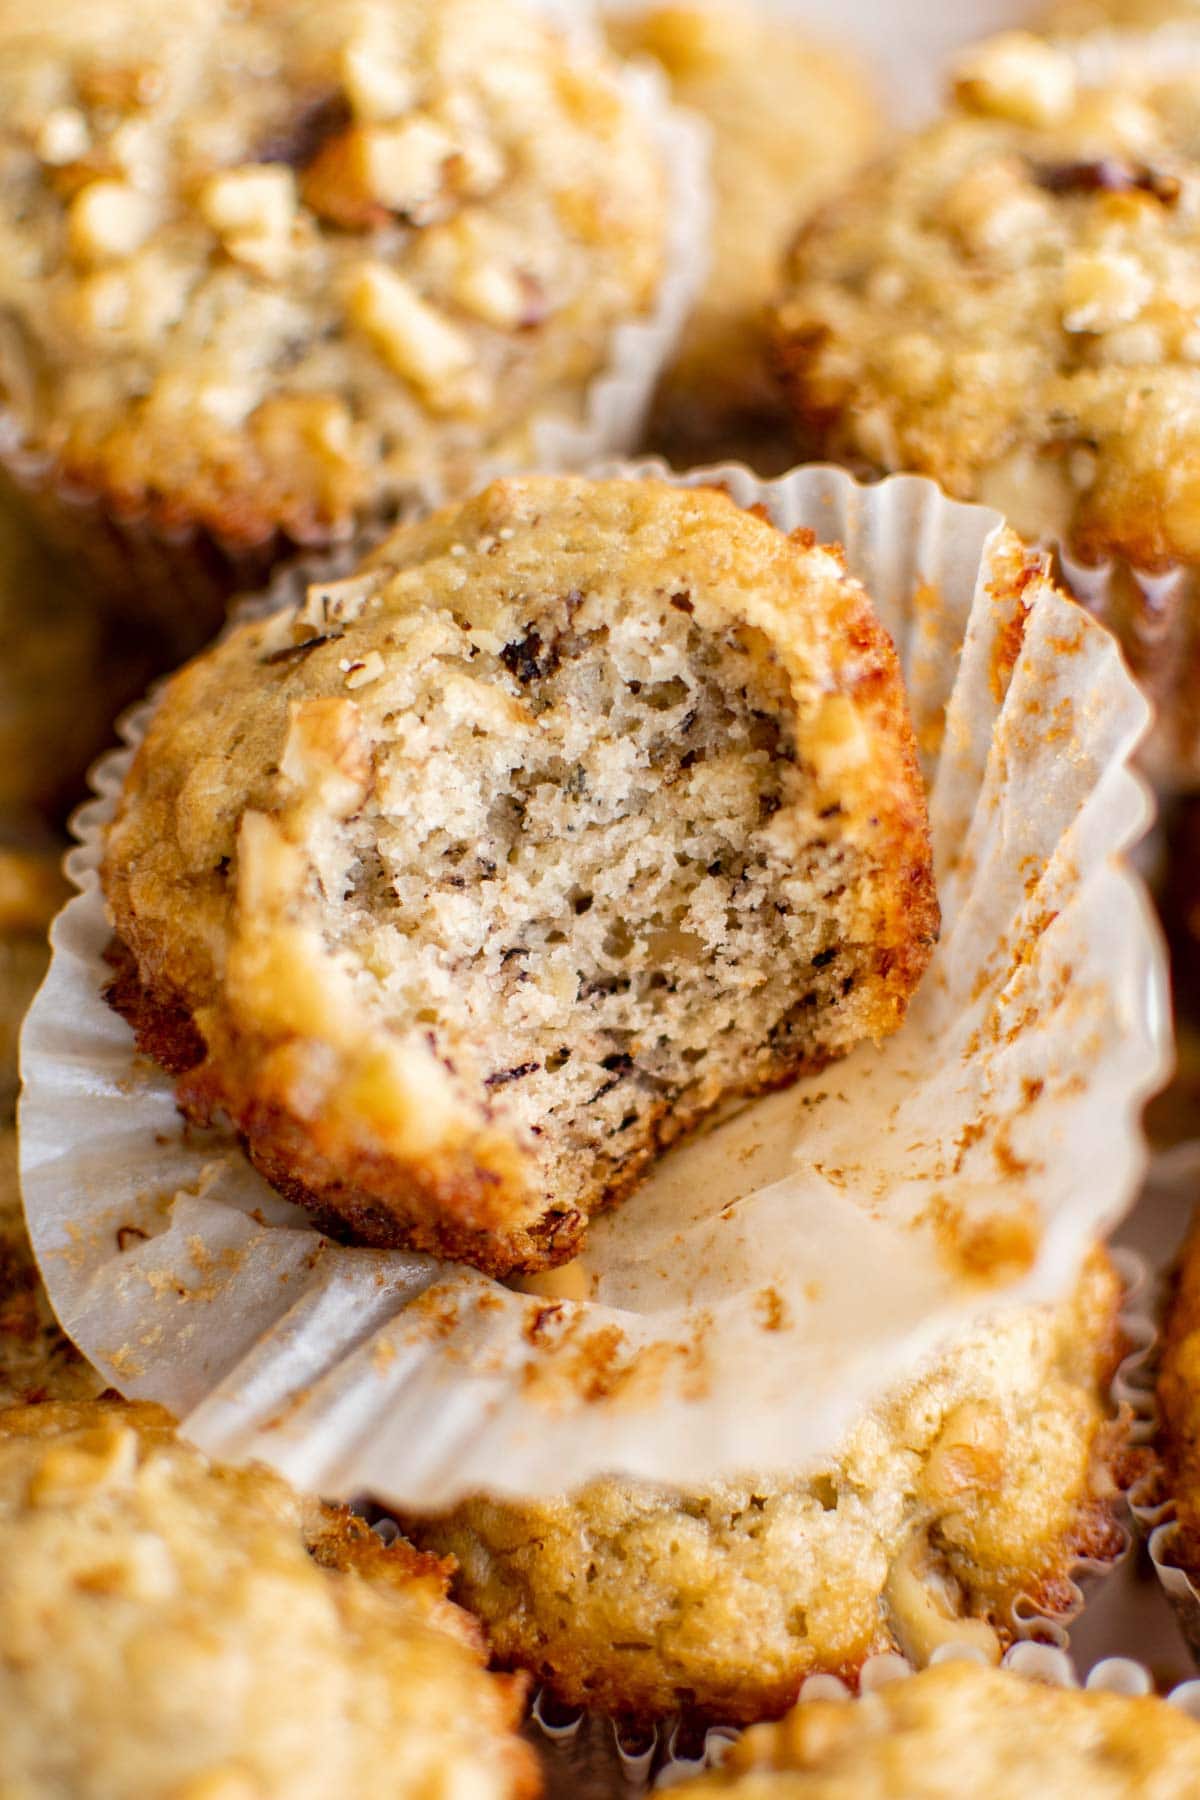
<point x="923" y="1614"/>
<point x="377" y="88"/>
<point x="1019" y="77"/>
<point x="1102" y="290"/>
<point x="64" y="136"/>
<point x="404" y="167"/>
<point x="411" y="335"/>
<point x="257" y="201"/>
<point x="108" y="220"/>
<point x="95" y="1462"/>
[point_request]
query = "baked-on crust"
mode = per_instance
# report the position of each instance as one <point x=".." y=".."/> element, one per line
<point x="171" y="1627"/>
<point x="484" y="873"/>
<point x="1006" y="303"/>
<point x="966" y="1731"/>
<point x="1179" y="1403"/>
<point x="983" y="1481"/>
<point x="789" y="119"/>
<point x="266" y="269"/>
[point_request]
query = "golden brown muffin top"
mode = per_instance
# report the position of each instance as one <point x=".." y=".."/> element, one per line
<point x="1011" y="303"/>
<point x="268" y="265"/>
<point x="962" y="1730"/>
<point x="173" y="1629"/>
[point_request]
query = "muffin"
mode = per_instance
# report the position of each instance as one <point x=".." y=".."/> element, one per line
<point x="140" y="1614"/>
<point x="66" y="671"/>
<point x="963" y="1730"/>
<point x="789" y="120"/>
<point x="1008" y="303"/>
<point x="1179" y="1402"/>
<point x="468" y="883"/>
<point x="978" y="1484"/>
<point x="1072" y="17"/>
<point x="269" y="270"/>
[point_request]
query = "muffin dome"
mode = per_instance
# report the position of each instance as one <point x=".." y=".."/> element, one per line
<point x="983" y="1481"/>
<point x="267" y="268"/>
<point x="1010" y="303"/>
<point x="470" y="883"/>
<point x="965" y="1730"/>
<point x="176" y="1628"/>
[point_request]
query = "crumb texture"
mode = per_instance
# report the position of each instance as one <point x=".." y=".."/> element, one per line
<point x="964" y="1730"/>
<point x="481" y="875"/>
<point x="982" y="1482"/>
<point x="141" y="1649"/>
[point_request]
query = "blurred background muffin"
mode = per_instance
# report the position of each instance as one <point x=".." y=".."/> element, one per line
<point x="984" y="1481"/>
<point x="790" y="118"/>
<point x="175" y="1628"/>
<point x="267" y="271"/>
<point x="963" y="1730"/>
<point x="1009" y="303"/>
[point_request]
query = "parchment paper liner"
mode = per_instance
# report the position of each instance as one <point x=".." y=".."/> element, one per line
<point x="746" y="1312"/>
<point x="181" y="578"/>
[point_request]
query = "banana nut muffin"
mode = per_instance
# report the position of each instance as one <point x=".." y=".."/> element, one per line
<point x="1010" y="303"/>
<point x="171" y="1630"/>
<point x="1073" y="17"/>
<point x="789" y="119"/>
<point x="980" y="1482"/>
<point x="1179" y="1402"/>
<point x="960" y="1730"/>
<point x="467" y="884"/>
<point x="268" y="267"/>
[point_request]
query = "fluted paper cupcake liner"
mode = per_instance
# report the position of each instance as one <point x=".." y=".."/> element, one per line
<point x="1007" y="1110"/>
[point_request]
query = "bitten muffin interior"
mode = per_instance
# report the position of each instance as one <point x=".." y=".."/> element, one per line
<point x="480" y="875"/>
<point x="582" y="899"/>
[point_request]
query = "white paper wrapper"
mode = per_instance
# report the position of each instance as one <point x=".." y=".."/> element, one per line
<point x="772" y="1279"/>
<point x="182" y="578"/>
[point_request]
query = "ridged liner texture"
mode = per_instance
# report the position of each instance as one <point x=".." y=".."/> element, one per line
<point x="868" y="1200"/>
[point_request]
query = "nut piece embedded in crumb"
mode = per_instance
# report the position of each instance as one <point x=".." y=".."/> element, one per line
<point x="982" y="1481"/>
<point x="253" y="255"/>
<point x="176" y="1628"/>
<point x="1009" y="303"/>
<point x="789" y="120"/>
<point x="965" y="1731"/>
<point x="470" y="885"/>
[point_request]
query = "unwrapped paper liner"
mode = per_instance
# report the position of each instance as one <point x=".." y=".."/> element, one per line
<point x="182" y="577"/>
<point x="772" y="1279"/>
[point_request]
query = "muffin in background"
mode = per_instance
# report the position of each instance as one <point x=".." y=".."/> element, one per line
<point x="984" y="1480"/>
<point x="467" y="883"/>
<point x="66" y="670"/>
<point x="177" y="1628"/>
<point x="1073" y="18"/>
<point x="268" y="272"/>
<point x="1008" y="303"/>
<point x="790" y="118"/>
<point x="962" y="1730"/>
